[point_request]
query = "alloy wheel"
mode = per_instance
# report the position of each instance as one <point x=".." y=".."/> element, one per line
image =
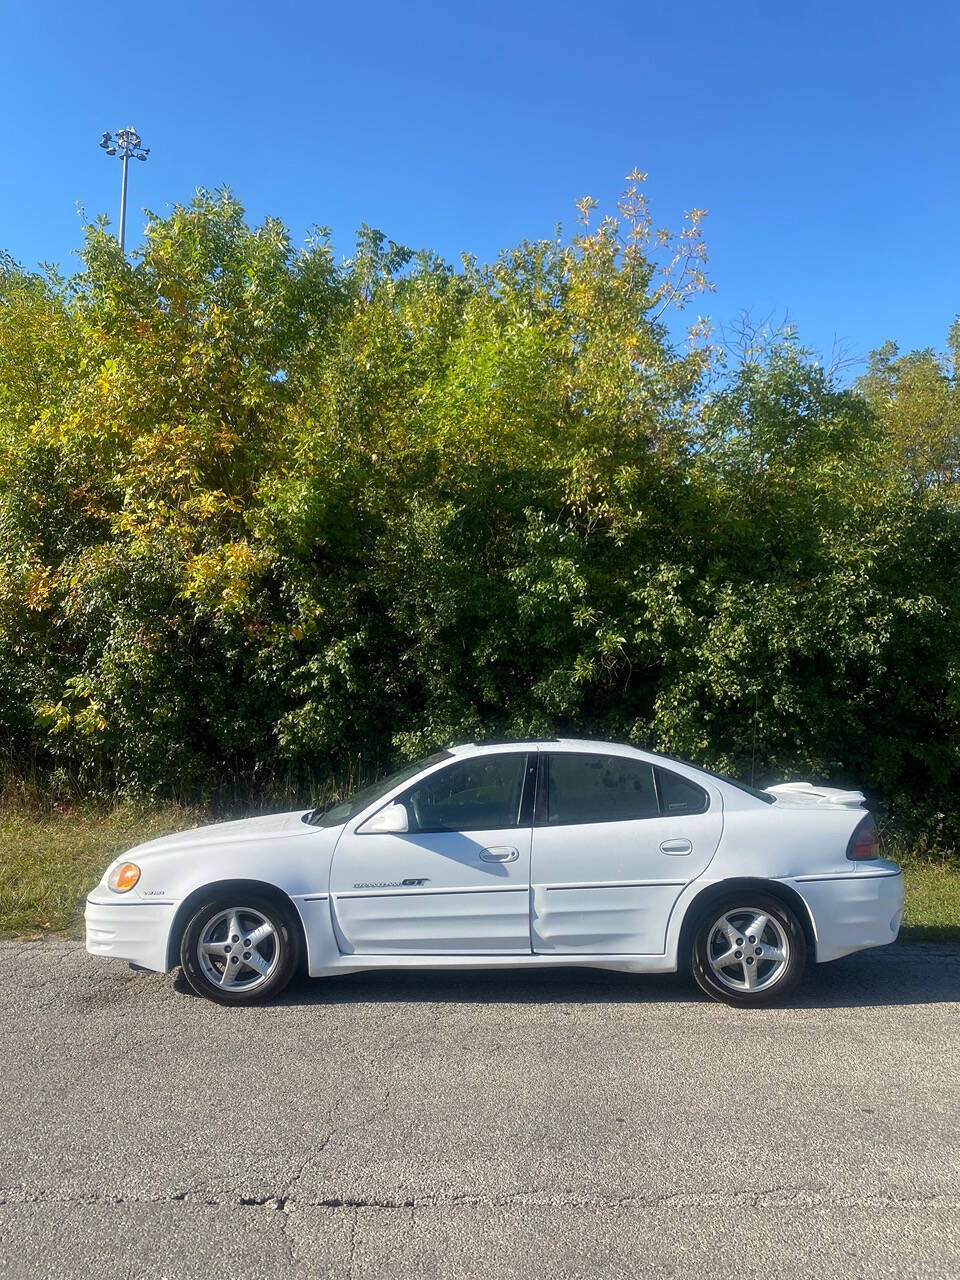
<point x="747" y="950"/>
<point x="238" y="949"/>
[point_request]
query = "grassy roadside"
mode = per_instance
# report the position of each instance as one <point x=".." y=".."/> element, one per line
<point x="933" y="901"/>
<point x="49" y="860"/>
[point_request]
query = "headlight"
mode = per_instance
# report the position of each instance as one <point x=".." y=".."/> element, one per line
<point x="123" y="878"/>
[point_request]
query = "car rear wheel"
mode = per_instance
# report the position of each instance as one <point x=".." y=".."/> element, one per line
<point x="240" y="948"/>
<point x="748" y="950"/>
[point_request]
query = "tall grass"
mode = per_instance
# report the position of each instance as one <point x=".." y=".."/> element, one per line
<point x="52" y="853"/>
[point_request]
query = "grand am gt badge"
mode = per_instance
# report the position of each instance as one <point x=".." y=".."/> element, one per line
<point x="410" y="883"/>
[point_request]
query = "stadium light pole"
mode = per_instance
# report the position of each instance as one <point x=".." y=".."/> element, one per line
<point x="127" y="144"/>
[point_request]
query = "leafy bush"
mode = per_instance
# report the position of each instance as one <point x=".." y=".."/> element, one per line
<point x="267" y="520"/>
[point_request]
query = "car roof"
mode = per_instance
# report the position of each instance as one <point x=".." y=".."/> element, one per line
<point x="553" y="744"/>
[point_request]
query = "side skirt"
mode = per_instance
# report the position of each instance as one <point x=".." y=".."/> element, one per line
<point x="620" y="964"/>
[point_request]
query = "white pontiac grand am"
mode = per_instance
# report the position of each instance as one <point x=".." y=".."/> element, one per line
<point x="557" y="852"/>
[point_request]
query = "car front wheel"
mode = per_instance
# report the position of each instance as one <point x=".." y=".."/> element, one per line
<point x="749" y="950"/>
<point x="240" y="949"/>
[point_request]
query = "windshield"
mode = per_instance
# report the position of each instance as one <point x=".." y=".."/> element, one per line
<point x="347" y="809"/>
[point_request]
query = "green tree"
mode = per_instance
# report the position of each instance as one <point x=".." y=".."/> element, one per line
<point x="267" y="518"/>
<point x="916" y="398"/>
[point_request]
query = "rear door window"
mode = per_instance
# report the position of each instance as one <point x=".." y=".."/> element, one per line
<point x="596" y="788"/>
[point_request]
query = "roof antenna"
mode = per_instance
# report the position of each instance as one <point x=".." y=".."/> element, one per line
<point x="753" y="758"/>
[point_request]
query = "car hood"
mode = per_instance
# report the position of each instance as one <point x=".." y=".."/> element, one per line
<point x="272" y="826"/>
<point x="805" y="795"/>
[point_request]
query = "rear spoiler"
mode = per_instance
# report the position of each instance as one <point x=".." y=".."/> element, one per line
<point x="807" y="793"/>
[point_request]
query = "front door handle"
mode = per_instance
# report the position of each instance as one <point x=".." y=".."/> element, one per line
<point x="500" y="853"/>
<point x="676" y="847"/>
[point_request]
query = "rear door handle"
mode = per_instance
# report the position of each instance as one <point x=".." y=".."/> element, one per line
<point x="676" y="847"/>
<point x="500" y="853"/>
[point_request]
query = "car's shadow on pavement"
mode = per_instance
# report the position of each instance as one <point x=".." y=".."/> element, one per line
<point x="903" y="974"/>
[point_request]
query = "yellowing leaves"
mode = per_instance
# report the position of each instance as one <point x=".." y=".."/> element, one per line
<point x="209" y="504"/>
<point x="58" y="719"/>
<point x="38" y="587"/>
<point x="225" y="578"/>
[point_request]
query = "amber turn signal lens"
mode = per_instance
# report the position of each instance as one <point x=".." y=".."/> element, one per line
<point x="124" y="877"/>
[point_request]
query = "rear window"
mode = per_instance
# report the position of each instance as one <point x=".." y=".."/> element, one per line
<point x="740" y="786"/>
<point x="731" y="782"/>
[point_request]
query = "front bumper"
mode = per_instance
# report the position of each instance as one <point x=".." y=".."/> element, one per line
<point x="131" y="930"/>
<point x="855" y="911"/>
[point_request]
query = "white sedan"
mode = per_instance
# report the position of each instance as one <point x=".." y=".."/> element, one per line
<point x="559" y="852"/>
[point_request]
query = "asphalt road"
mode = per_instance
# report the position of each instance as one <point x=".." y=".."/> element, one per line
<point x="538" y="1124"/>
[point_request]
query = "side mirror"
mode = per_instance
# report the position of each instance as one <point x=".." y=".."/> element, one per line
<point x="391" y="820"/>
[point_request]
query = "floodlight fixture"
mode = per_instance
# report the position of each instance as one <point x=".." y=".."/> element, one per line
<point x="129" y="145"/>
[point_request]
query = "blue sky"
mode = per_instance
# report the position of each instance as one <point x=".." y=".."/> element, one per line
<point x="821" y="137"/>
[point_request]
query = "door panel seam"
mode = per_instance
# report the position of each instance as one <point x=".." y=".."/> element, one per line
<point x="613" y="884"/>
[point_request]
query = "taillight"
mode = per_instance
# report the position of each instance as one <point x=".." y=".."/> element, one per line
<point x="864" y="843"/>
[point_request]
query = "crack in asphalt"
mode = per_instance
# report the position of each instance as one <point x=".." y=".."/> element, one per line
<point x="776" y="1197"/>
<point x="284" y="1201"/>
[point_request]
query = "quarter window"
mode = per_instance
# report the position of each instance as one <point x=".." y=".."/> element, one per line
<point x="598" y="788"/>
<point x="479" y="794"/>
<point x="680" y="795"/>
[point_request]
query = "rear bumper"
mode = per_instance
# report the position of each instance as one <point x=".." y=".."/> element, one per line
<point x="853" y="912"/>
<point x="130" y="930"/>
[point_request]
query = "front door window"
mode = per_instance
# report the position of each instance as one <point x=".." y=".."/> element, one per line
<point x="480" y="794"/>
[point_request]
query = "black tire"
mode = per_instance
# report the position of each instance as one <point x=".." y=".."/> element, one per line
<point x="779" y="984"/>
<point x="282" y="962"/>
